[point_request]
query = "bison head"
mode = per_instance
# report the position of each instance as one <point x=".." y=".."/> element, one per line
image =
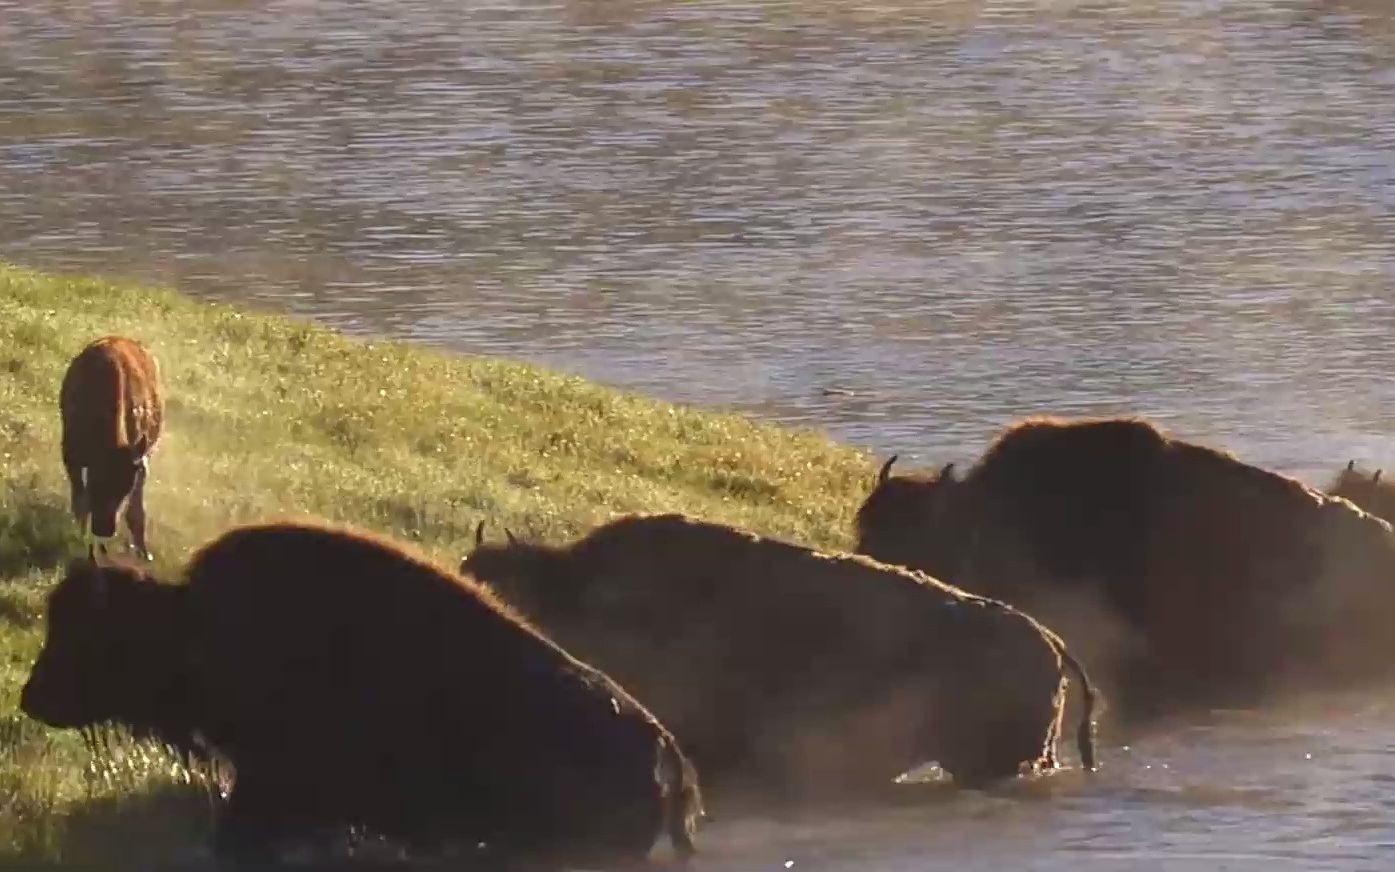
<point x="529" y="577"/>
<point x="903" y="520"/>
<point x="104" y="649"/>
<point x="1368" y="493"/>
<point x="109" y="485"/>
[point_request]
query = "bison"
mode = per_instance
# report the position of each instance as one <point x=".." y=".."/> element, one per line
<point x="799" y="674"/>
<point x="349" y="682"/>
<point x="1368" y="493"/>
<point x="1220" y="581"/>
<point x="112" y="413"/>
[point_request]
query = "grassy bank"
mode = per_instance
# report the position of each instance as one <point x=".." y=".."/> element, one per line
<point x="269" y="417"/>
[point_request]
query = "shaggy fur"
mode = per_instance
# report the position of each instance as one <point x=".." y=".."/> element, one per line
<point x="792" y="671"/>
<point x="1229" y="582"/>
<point x="349" y="682"/>
<point x="113" y="413"/>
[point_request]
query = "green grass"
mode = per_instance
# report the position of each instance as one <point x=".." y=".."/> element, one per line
<point x="272" y="417"/>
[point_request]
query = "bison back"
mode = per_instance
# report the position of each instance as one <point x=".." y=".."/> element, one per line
<point x="773" y="662"/>
<point x="1065" y="503"/>
<point x="111" y="398"/>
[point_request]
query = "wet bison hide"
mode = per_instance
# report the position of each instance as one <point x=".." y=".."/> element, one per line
<point x="349" y="682"/>
<point x="1230" y="581"/>
<point x="792" y="671"/>
<point x="112" y="413"/>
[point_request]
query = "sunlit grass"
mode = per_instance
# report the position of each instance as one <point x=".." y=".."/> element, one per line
<point x="269" y="417"/>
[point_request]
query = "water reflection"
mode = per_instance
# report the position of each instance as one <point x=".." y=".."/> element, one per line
<point x="962" y="211"/>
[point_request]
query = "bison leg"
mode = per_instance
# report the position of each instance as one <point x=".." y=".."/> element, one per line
<point x="250" y="827"/>
<point x="986" y="750"/>
<point x="264" y="811"/>
<point x="135" y="514"/>
<point x="992" y="762"/>
<point x="997" y="729"/>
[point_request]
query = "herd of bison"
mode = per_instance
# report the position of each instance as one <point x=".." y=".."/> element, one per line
<point x="560" y="703"/>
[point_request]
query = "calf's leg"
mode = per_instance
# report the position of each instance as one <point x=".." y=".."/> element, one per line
<point x="135" y="514"/>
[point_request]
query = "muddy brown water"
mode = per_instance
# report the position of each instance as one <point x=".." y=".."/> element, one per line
<point x="903" y="222"/>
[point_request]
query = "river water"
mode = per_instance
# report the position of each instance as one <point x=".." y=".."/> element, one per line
<point x="906" y="222"/>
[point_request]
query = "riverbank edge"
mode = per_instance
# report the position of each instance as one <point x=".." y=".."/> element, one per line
<point x="273" y="416"/>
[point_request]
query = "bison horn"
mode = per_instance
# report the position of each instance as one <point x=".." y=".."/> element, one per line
<point x="947" y="473"/>
<point x="1351" y="465"/>
<point x="513" y="540"/>
<point x="479" y="534"/>
<point x="1375" y="479"/>
<point x="886" y="469"/>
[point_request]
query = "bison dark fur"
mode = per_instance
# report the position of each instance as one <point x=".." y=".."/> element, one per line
<point x="112" y="412"/>
<point x="794" y="672"/>
<point x="1231" y="582"/>
<point x="349" y="682"/>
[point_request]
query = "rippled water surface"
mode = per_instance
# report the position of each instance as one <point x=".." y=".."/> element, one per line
<point x="904" y="222"/>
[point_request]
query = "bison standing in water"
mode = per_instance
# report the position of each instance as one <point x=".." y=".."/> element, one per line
<point x="112" y="416"/>
<point x="349" y="682"/>
<point x="1370" y="494"/>
<point x="792" y="671"/>
<point x="1226" y="581"/>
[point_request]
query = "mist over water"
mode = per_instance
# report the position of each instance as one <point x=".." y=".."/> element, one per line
<point x="904" y="222"/>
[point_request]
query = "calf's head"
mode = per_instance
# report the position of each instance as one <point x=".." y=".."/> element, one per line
<point x="106" y="645"/>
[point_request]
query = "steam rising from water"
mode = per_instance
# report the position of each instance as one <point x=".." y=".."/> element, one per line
<point x="963" y="212"/>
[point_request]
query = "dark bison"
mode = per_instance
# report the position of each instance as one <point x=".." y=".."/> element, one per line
<point x="348" y="682"/>
<point x="112" y="416"/>
<point x="1224" y="581"/>
<point x="800" y="674"/>
<point x="1369" y="493"/>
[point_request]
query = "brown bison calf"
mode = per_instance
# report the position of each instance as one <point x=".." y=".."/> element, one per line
<point x="792" y="671"/>
<point x="112" y="415"/>
<point x="1368" y="493"/>
<point x="1225" y="581"/>
<point x="349" y="682"/>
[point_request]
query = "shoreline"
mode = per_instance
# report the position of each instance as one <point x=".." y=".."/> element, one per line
<point x="272" y="416"/>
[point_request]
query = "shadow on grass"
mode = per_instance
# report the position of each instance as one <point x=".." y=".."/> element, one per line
<point x="130" y="807"/>
<point x="166" y="828"/>
<point x="36" y="529"/>
<point x="147" y="811"/>
<point x="171" y="828"/>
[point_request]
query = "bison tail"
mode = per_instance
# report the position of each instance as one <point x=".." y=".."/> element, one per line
<point x="1085" y="730"/>
<point x="682" y="798"/>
